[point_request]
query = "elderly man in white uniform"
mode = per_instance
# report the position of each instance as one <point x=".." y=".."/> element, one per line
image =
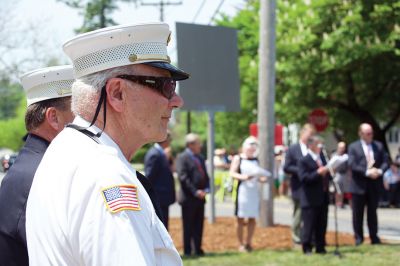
<point x="86" y="205"/>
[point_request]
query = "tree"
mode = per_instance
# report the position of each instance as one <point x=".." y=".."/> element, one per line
<point x="339" y="55"/>
<point x="13" y="129"/>
<point x="96" y="13"/>
<point x="11" y="96"/>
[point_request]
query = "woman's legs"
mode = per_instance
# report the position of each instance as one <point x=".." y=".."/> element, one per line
<point x="239" y="232"/>
<point x="251" y="225"/>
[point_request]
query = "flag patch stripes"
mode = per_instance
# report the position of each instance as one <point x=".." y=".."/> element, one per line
<point x="121" y="197"/>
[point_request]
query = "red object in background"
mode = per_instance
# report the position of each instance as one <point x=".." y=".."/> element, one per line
<point x="278" y="132"/>
<point x="253" y="129"/>
<point x="319" y="118"/>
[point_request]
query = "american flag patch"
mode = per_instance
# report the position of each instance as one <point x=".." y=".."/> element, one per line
<point x="121" y="197"/>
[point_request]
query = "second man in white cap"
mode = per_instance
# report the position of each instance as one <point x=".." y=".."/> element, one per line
<point x="48" y="93"/>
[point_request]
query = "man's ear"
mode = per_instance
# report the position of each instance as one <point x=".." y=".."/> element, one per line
<point x="115" y="94"/>
<point x="51" y="118"/>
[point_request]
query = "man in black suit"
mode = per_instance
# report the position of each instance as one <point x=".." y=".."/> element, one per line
<point x="159" y="172"/>
<point x="293" y="155"/>
<point x="314" y="198"/>
<point x="47" y="113"/>
<point x="194" y="182"/>
<point x="368" y="161"/>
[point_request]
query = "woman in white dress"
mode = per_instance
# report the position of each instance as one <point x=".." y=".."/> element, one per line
<point x="245" y="168"/>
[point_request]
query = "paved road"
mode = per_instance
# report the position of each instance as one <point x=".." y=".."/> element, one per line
<point x="389" y="219"/>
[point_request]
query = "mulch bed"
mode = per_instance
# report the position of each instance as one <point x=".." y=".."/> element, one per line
<point x="221" y="236"/>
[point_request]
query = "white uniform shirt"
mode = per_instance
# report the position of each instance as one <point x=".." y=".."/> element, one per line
<point x="68" y="222"/>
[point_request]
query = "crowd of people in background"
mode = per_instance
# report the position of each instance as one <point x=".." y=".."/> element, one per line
<point x="303" y="171"/>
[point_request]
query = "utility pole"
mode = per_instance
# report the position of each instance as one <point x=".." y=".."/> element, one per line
<point x="266" y="100"/>
<point x="162" y="4"/>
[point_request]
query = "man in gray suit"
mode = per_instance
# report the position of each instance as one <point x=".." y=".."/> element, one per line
<point x="368" y="161"/>
<point x="194" y="182"/>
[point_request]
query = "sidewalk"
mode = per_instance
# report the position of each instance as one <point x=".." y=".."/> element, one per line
<point x="388" y="219"/>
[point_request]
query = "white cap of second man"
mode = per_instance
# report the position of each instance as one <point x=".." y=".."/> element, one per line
<point x="122" y="45"/>
<point x="47" y="83"/>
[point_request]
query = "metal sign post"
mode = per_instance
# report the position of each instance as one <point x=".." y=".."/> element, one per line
<point x="266" y="100"/>
<point x="210" y="157"/>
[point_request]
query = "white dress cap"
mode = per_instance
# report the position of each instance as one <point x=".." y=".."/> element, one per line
<point x="47" y="83"/>
<point x="122" y="45"/>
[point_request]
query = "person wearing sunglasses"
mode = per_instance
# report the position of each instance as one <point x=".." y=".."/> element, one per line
<point x="87" y="205"/>
<point x="368" y="161"/>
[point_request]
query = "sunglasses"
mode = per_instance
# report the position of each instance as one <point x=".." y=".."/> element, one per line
<point x="164" y="85"/>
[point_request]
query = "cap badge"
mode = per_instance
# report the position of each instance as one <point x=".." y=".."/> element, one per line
<point x="63" y="91"/>
<point x="132" y="57"/>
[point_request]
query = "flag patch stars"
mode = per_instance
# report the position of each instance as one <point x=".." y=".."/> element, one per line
<point x="121" y="197"/>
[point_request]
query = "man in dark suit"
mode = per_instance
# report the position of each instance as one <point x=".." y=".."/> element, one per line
<point x="293" y="155"/>
<point x="368" y="161"/>
<point x="194" y="182"/>
<point x="314" y="198"/>
<point x="159" y="172"/>
<point x="47" y="113"/>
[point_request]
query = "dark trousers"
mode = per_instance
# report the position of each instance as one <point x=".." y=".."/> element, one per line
<point x="192" y="219"/>
<point x="358" y="205"/>
<point x="165" y="215"/>
<point x="394" y="194"/>
<point x="315" y="220"/>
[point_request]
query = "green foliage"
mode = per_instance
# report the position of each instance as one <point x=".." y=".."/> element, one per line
<point x="233" y="128"/>
<point x="365" y="255"/>
<point x="138" y="158"/>
<point x="13" y="129"/>
<point x="11" y="95"/>
<point x="96" y="13"/>
<point x="342" y="56"/>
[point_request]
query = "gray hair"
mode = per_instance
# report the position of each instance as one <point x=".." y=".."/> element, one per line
<point x="313" y="139"/>
<point x="191" y="138"/>
<point x="86" y="90"/>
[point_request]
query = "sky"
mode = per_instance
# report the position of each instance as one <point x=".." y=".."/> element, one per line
<point x="53" y="23"/>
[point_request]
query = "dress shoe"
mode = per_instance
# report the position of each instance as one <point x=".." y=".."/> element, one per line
<point x="321" y="252"/>
<point x="359" y="241"/>
<point x="376" y="241"/>
<point x="307" y="252"/>
<point x="248" y="248"/>
<point x="200" y="253"/>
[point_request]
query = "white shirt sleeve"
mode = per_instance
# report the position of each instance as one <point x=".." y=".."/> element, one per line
<point x="100" y="237"/>
<point x="107" y="238"/>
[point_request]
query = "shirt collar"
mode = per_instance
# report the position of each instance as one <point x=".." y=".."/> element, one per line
<point x="104" y="138"/>
<point x="189" y="151"/>
<point x="313" y="155"/>
<point x="158" y="147"/>
<point x="363" y="143"/>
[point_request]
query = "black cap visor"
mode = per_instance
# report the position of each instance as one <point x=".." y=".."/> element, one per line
<point x="176" y="73"/>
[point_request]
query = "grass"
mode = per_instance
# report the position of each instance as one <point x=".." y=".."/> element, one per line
<point x="364" y="255"/>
